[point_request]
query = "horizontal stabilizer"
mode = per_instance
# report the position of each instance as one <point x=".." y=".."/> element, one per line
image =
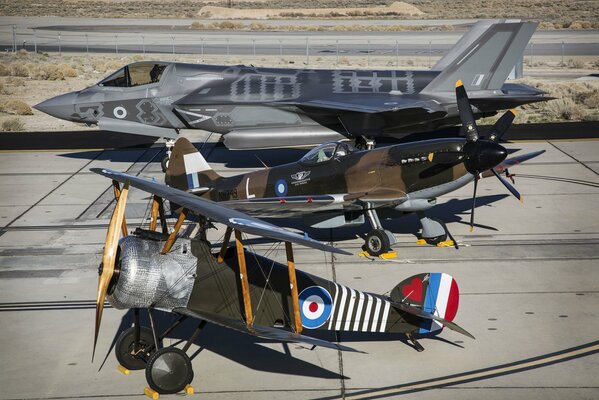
<point x="217" y="212"/>
<point x="262" y="331"/>
<point x="426" y="315"/>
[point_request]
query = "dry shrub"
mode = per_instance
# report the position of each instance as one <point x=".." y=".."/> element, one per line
<point x="580" y="25"/>
<point x="575" y="63"/>
<point x="4" y="70"/>
<point x="565" y="108"/>
<point x="113" y="65"/>
<point x="18" y="69"/>
<point x="197" y="25"/>
<point x="592" y="101"/>
<point x="13" y="124"/>
<point x="22" y="53"/>
<point x="16" y="107"/>
<point x="4" y="89"/>
<point x="52" y="72"/>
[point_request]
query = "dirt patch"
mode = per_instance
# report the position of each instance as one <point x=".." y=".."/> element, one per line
<point x="397" y="8"/>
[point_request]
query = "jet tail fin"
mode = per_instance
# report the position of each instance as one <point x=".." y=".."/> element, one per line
<point x="483" y="58"/>
<point x="188" y="170"/>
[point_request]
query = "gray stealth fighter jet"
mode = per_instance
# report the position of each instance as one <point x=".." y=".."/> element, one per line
<point x="275" y="107"/>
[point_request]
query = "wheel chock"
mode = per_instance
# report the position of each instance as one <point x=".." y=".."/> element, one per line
<point x="364" y="254"/>
<point x="421" y="242"/>
<point x="388" y="255"/>
<point x="446" y="243"/>
<point x="189" y="389"/>
<point x="123" y="370"/>
<point x="154" y="395"/>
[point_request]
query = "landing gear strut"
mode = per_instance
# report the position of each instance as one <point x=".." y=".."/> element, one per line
<point x="170" y="143"/>
<point x="378" y="240"/>
<point x="168" y="369"/>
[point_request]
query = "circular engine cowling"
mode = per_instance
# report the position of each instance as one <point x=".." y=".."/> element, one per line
<point x="147" y="278"/>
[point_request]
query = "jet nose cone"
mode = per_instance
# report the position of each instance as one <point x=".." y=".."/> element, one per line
<point x="62" y="106"/>
<point x="487" y="155"/>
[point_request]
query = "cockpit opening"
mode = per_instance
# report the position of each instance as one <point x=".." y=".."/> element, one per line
<point x="137" y="74"/>
<point x="328" y="151"/>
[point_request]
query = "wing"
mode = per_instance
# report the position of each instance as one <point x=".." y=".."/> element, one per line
<point x="261" y="331"/>
<point x="217" y="212"/>
<point x="299" y="205"/>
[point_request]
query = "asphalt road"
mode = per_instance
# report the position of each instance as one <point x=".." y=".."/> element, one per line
<point x="174" y="36"/>
<point x="527" y="275"/>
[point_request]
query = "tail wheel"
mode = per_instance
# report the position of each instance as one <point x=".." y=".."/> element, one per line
<point x="169" y="370"/>
<point x="126" y="353"/>
<point x="377" y="242"/>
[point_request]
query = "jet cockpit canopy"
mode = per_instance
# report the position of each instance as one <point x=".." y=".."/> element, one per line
<point x="136" y="74"/>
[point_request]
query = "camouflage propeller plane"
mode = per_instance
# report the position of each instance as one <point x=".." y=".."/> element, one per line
<point x="276" y="107"/>
<point x="336" y="185"/>
<point x="238" y="289"/>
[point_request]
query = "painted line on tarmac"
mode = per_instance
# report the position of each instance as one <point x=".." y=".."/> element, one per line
<point x="486" y="373"/>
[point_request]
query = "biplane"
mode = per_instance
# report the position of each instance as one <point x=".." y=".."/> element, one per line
<point x="337" y="185"/>
<point x="155" y="269"/>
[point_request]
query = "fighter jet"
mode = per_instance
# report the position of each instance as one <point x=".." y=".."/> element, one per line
<point x="238" y="289"/>
<point x="336" y="185"/>
<point x="277" y="107"/>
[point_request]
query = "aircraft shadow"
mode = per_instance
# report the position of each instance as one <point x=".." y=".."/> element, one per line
<point x="455" y="210"/>
<point x="247" y="350"/>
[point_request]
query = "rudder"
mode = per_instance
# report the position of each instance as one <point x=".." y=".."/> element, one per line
<point x="188" y="170"/>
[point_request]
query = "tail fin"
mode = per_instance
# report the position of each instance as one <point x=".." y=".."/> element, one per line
<point x="483" y="58"/>
<point x="188" y="170"/>
<point x="436" y="293"/>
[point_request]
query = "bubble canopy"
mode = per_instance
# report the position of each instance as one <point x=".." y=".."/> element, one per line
<point x="327" y="151"/>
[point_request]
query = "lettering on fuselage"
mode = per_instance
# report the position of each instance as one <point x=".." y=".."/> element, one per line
<point x="264" y="87"/>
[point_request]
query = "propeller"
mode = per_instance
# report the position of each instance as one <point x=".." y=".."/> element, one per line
<point x="109" y="258"/>
<point x="481" y="154"/>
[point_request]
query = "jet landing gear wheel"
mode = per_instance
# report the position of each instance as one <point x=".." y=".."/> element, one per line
<point x="377" y="242"/>
<point x="169" y="370"/>
<point x="127" y="355"/>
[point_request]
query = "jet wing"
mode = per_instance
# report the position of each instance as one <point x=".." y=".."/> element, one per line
<point x="261" y="331"/>
<point x="217" y="212"/>
<point x="372" y="104"/>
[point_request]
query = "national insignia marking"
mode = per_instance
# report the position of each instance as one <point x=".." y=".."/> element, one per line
<point x="316" y="305"/>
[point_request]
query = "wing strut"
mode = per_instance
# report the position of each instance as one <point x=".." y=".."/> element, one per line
<point x="243" y="276"/>
<point x="117" y="193"/>
<point x="173" y="236"/>
<point x="293" y="287"/>
<point x="225" y="246"/>
<point x="158" y="211"/>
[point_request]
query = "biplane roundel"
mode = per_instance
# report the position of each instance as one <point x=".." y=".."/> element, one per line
<point x="316" y="306"/>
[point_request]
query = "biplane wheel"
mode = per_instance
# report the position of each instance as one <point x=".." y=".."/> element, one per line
<point x="377" y="242"/>
<point x="169" y="370"/>
<point x="124" y="348"/>
<point x="164" y="163"/>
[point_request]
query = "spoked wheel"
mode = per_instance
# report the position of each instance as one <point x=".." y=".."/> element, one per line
<point x="377" y="242"/>
<point x="169" y="370"/>
<point x="126" y="353"/>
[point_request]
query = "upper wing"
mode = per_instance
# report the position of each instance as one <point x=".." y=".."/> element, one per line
<point x="262" y="331"/>
<point x="217" y="212"/>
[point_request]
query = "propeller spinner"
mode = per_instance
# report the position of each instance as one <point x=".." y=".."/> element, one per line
<point x="109" y="258"/>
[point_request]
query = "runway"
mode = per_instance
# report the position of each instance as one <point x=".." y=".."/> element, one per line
<point x="528" y="280"/>
<point x="119" y="35"/>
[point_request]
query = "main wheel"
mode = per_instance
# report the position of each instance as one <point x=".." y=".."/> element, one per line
<point x="169" y="370"/>
<point x="125" y="348"/>
<point x="164" y="163"/>
<point x="437" y="239"/>
<point x="377" y="242"/>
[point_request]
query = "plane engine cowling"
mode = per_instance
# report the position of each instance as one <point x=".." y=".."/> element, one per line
<point x="146" y="278"/>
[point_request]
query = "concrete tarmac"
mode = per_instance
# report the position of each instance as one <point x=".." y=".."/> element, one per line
<point x="528" y="277"/>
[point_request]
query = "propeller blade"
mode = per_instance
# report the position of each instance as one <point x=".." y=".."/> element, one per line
<point x="473" y="203"/>
<point x="507" y="185"/>
<point x="502" y="125"/>
<point x="109" y="258"/>
<point x="465" y="111"/>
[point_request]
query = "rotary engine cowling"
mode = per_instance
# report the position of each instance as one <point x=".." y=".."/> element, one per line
<point x="147" y="278"/>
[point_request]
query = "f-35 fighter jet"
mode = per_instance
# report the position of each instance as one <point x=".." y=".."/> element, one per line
<point x="275" y="107"/>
